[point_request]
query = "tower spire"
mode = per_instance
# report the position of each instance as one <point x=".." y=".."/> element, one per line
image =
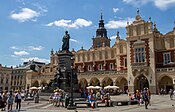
<point x="138" y="11"/>
<point x="101" y="15"/>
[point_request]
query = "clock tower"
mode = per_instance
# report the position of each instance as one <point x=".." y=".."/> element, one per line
<point x="101" y="39"/>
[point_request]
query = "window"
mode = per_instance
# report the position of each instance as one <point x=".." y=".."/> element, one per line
<point x="139" y="55"/>
<point x="89" y="68"/>
<point x="125" y="62"/>
<point x="7" y="81"/>
<point x="111" y="66"/>
<point x="100" y="67"/>
<point x="166" y="58"/>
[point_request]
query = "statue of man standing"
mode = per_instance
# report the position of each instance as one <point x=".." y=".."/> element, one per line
<point x="65" y="46"/>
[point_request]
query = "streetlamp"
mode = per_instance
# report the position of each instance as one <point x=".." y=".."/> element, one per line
<point x="71" y="105"/>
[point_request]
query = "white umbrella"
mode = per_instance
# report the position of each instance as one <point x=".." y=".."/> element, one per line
<point x="115" y="87"/>
<point x="107" y="87"/>
<point x="33" y="88"/>
<point x="39" y="87"/>
<point x="90" y="87"/>
<point x="97" y="87"/>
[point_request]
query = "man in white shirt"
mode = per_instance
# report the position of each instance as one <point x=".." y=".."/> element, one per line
<point x="18" y="102"/>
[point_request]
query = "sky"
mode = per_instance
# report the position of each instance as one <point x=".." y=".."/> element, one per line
<point x="29" y="29"/>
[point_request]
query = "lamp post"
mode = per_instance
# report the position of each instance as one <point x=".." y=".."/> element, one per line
<point x="71" y="105"/>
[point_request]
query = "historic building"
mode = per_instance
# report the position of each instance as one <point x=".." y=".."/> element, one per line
<point x="103" y="65"/>
<point x="5" y="78"/>
<point x="145" y="59"/>
<point x="22" y="75"/>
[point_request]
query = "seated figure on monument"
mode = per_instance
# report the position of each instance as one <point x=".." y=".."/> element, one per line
<point x="65" y="45"/>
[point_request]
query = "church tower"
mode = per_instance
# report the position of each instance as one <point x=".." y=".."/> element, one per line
<point x="101" y="39"/>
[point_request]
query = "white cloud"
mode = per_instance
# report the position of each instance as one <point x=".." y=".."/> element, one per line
<point x="161" y="4"/>
<point x="25" y="14"/>
<point x="21" y="53"/>
<point x="115" y="10"/>
<point x="114" y="24"/>
<point x="137" y="3"/>
<point x="78" y="23"/>
<point x="113" y="37"/>
<point x="14" y="47"/>
<point x="39" y="48"/>
<point x="164" y="4"/>
<point x="35" y="59"/>
<point x="73" y="40"/>
<point x="14" y="56"/>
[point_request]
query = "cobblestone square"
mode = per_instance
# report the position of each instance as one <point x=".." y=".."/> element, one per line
<point x="158" y="104"/>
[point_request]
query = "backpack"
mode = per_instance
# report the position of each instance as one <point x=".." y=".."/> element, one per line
<point x="16" y="98"/>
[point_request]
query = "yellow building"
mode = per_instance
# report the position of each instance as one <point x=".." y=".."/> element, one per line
<point x="5" y="78"/>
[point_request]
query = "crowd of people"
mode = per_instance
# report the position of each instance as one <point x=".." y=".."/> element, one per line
<point x="142" y="97"/>
<point x="57" y="97"/>
<point x="7" y="100"/>
<point x="102" y="95"/>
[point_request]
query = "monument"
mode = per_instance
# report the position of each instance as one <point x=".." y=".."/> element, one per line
<point x="65" y="69"/>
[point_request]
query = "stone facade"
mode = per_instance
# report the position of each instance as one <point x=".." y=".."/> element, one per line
<point x="5" y="78"/>
<point x="144" y="59"/>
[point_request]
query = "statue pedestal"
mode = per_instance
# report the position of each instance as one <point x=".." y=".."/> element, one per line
<point x="65" y="64"/>
<point x="64" y="60"/>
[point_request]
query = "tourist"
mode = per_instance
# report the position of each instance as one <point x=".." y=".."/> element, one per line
<point x="3" y="100"/>
<point x="98" y="94"/>
<point x="2" y="104"/>
<point x="91" y="99"/>
<point x="149" y="96"/>
<point x="61" y="95"/>
<point x="171" y="94"/>
<point x="10" y="101"/>
<point x="145" y="96"/>
<point x="51" y="98"/>
<point x="137" y="95"/>
<point x="18" y="100"/>
<point x="107" y="99"/>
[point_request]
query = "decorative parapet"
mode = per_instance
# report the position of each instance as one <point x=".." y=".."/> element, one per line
<point x="123" y="72"/>
<point x="43" y="76"/>
<point x="143" y="64"/>
<point x="169" y="69"/>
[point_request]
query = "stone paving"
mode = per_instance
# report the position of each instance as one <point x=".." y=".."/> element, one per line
<point x="158" y="104"/>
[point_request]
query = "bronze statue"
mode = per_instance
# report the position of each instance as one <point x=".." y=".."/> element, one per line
<point x="65" y="46"/>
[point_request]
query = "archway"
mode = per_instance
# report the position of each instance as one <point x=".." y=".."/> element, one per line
<point x="122" y="83"/>
<point x="35" y="84"/>
<point x="94" y="82"/>
<point x="83" y="83"/>
<point x="166" y="83"/>
<point x="43" y="83"/>
<point x="107" y="81"/>
<point x="141" y="82"/>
